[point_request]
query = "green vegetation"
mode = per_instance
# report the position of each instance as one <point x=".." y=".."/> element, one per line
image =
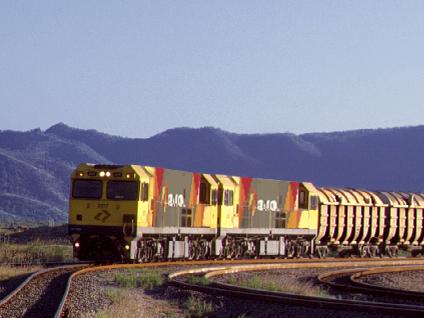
<point x="290" y="285"/>
<point x="34" y="252"/>
<point x="197" y="307"/>
<point x="114" y="295"/>
<point x="198" y="280"/>
<point x="256" y="283"/>
<point x="144" y="278"/>
<point x="102" y="314"/>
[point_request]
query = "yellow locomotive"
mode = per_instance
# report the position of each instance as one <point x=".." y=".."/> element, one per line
<point x="144" y="213"/>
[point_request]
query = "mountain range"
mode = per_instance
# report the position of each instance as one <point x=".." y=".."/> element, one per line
<point x="35" y="165"/>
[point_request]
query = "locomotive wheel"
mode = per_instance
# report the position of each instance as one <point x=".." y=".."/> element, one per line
<point x="229" y="249"/>
<point x="145" y="253"/>
<point x="238" y="252"/>
<point x="300" y="250"/>
<point x="193" y="250"/>
<point x="204" y="249"/>
<point x="291" y="250"/>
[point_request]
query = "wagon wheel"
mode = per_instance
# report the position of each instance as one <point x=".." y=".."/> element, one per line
<point x="395" y="251"/>
<point x="363" y="251"/>
<point x="373" y="251"/>
<point x="322" y="251"/>
<point x="389" y="251"/>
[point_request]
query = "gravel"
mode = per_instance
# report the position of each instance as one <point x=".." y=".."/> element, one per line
<point x="89" y="296"/>
<point x="39" y="298"/>
<point x="408" y="280"/>
<point x="7" y="286"/>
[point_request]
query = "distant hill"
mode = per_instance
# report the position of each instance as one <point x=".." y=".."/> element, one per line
<point x="35" y="165"/>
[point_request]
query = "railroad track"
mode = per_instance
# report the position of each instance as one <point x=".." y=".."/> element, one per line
<point x="218" y="288"/>
<point x="46" y="293"/>
<point x="350" y="280"/>
<point x="48" y="264"/>
<point x="39" y="295"/>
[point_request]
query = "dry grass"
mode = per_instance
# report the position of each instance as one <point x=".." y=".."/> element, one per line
<point x="7" y="272"/>
<point x="34" y="252"/>
<point x="130" y="303"/>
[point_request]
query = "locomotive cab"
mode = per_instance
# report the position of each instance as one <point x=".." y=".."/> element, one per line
<point x="103" y="206"/>
<point x="308" y="203"/>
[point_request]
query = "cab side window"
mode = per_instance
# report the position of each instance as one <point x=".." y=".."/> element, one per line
<point x="314" y="202"/>
<point x="303" y="199"/>
<point x="228" y="197"/>
<point x="204" y="193"/>
<point x="144" y="191"/>
<point x="214" y="197"/>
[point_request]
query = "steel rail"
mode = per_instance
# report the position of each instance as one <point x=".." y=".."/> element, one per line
<point x="351" y="276"/>
<point x="10" y="297"/>
<point x="398" y="292"/>
<point x="48" y="264"/>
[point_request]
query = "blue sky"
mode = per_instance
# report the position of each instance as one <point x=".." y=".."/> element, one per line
<point x="136" y="68"/>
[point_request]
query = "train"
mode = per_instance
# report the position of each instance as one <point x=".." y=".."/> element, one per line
<point x="136" y="213"/>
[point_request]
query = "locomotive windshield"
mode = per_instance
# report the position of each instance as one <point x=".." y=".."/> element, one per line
<point x="122" y="190"/>
<point x="87" y="189"/>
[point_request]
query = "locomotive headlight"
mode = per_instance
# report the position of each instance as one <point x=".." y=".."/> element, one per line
<point x="77" y="244"/>
<point x="127" y="247"/>
<point x="107" y="174"/>
<point x="102" y="174"/>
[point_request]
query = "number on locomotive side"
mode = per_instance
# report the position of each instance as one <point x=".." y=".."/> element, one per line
<point x="176" y="200"/>
<point x="267" y="205"/>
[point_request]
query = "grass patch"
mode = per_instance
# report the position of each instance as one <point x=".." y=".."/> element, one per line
<point x="34" y="252"/>
<point x="258" y="283"/>
<point x="114" y="295"/>
<point x="102" y="314"/>
<point x="196" y="307"/>
<point x="198" y="280"/>
<point x="144" y="278"/>
<point x="290" y="285"/>
<point x="129" y="303"/>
